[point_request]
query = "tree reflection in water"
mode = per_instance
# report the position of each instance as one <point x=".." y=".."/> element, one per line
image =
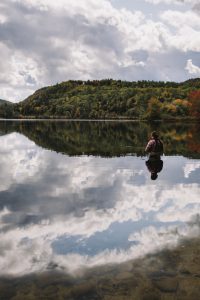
<point x="107" y="139"/>
<point x="57" y="211"/>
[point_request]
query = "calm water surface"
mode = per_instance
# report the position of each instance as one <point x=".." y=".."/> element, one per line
<point x="77" y="202"/>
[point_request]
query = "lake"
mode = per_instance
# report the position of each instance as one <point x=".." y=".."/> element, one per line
<point x="81" y="218"/>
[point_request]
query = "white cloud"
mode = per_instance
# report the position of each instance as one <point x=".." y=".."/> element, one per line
<point x="23" y="252"/>
<point x="91" y="40"/>
<point x="190" y="167"/>
<point x="178" y="2"/>
<point x="179" y="19"/>
<point x="155" y="238"/>
<point x="186" y="35"/>
<point x="191" y="68"/>
<point x="3" y="19"/>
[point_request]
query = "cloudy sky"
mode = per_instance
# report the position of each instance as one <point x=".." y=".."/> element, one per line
<point x="43" y="42"/>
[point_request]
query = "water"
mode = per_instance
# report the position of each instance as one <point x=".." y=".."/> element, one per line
<point x="80" y="217"/>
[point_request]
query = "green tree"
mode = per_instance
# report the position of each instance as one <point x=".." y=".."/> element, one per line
<point x="154" y="109"/>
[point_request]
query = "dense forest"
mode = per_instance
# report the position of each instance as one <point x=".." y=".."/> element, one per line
<point x="110" y="99"/>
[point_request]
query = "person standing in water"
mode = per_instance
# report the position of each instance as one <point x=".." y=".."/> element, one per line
<point x="155" y="145"/>
<point x="155" y="149"/>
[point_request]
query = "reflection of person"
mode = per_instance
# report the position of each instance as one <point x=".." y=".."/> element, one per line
<point x="155" y="150"/>
<point x="154" y="165"/>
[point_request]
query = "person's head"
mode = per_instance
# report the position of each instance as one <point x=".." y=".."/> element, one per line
<point x="154" y="135"/>
<point x="154" y="176"/>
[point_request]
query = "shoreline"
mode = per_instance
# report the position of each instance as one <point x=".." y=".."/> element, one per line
<point x="173" y="120"/>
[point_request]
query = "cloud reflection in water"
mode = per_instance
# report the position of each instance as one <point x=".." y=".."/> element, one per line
<point x="73" y="212"/>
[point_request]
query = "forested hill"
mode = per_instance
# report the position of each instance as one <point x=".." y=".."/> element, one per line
<point x="109" y="98"/>
<point x="4" y="102"/>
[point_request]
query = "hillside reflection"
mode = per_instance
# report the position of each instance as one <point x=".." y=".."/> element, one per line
<point x="92" y="227"/>
<point x="106" y="138"/>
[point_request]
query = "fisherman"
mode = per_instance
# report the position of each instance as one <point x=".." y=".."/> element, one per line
<point x="155" y="145"/>
<point x="155" y="150"/>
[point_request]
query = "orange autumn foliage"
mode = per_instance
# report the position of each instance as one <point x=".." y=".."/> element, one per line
<point x="194" y="98"/>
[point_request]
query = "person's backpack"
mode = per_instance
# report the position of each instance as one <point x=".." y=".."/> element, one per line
<point x="158" y="146"/>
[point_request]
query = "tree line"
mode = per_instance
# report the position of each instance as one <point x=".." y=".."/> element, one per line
<point x="110" y="99"/>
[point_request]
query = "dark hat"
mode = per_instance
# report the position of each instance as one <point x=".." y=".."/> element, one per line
<point x="154" y="134"/>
